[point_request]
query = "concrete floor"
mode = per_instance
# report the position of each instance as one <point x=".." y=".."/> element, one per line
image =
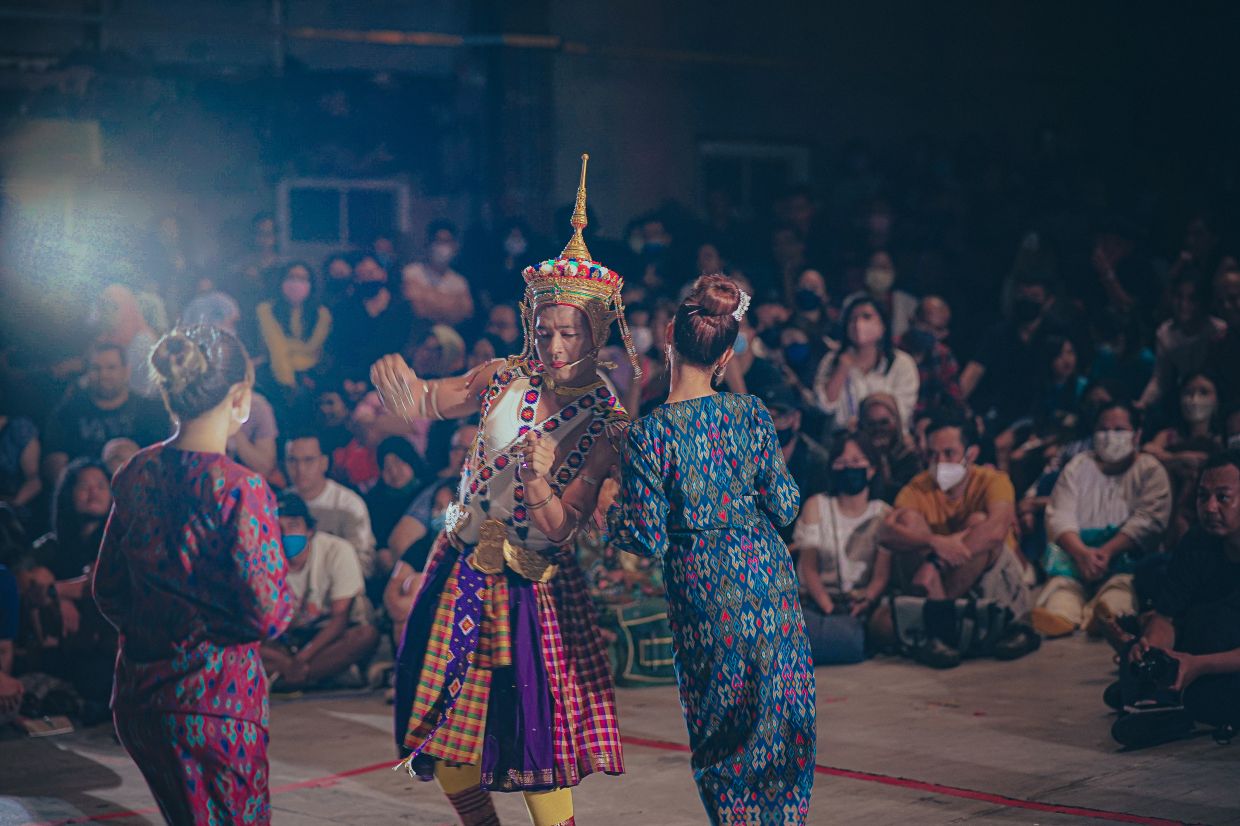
<point x="1034" y="731"/>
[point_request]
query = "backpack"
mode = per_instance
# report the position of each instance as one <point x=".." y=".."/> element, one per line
<point x="980" y="624"/>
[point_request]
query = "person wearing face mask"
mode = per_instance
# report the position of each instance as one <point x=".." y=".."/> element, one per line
<point x="897" y="458"/>
<point x="841" y="567"/>
<point x="951" y="536"/>
<point x="190" y="631"/>
<point x="331" y="631"/>
<point x="371" y="320"/>
<point x="1110" y="506"/>
<point x="880" y="280"/>
<point x="865" y="362"/>
<point x="812" y="306"/>
<point x="1185" y="446"/>
<point x="436" y="292"/>
<point x="295" y="326"/>
<point x="807" y="460"/>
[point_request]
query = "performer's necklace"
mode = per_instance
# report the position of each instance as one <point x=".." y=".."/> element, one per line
<point x="567" y="392"/>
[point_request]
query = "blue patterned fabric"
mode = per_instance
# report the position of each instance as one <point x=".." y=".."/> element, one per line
<point x="703" y="481"/>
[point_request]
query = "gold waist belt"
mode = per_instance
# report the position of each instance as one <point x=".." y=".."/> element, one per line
<point x="494" y="551"/>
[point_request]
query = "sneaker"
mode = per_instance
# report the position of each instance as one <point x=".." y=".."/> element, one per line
<point x="1051" y="625"/>
<point x="937" y="654"/>
<point x="1141" y="726"/>
<point x="1017" y="641"/>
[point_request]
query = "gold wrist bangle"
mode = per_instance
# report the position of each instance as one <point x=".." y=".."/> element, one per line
<point x="542" y="503"/>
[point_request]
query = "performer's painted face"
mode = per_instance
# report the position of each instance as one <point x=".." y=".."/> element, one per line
<point x="562" y="340"/>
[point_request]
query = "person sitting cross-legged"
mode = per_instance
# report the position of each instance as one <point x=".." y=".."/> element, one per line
<point x="1110" y="505"/>
<point x="331" y="630"/>
<point x="951" y="534"/>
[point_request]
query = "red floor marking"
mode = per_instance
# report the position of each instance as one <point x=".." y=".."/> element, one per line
<point x="664" y="745"/>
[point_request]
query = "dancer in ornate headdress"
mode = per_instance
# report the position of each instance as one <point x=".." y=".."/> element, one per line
<point x="502" y="681"/>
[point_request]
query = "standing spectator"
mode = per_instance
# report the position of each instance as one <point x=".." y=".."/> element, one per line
<point x="880" y="280"/>
<point x="1110" y="506"/>
<point x="331" y="630"/>
<point x="865" y="362"/>
<point x="20" y="453"/>
<point x="294" y="325"/>
<point x="190" y="701"/>
<point x="898" y="460"/>
<point x="438" y="293"/>
<point x="83" y="423"/>
<point x="1183" y="342"/>
<point x="123" y="325"/>
<point x="371" y="321"/>
<point x="1194" y="618"/>
<point x="336" y="509"/>
<point x="951" y="534"/>
<point x="842" y="570"/>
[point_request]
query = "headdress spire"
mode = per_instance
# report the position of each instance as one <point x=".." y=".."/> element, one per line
<point x="576" y="247"/>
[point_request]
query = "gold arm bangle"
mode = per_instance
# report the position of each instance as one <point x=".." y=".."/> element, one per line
<point x="435" y="401"/>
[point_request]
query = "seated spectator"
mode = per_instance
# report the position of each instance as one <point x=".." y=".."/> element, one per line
<point x="865" y="362"/>
<point x="1225" y="354"/>
<point x="20" y="452"/>
<point x="117" y="452"/>
<point x="336" y="509"/>
<point x="842" y="570"/>
<point x="440" y="354"/>
<point x="996" y="380"/>
<point x="84" y="422"/>
<point x="898" y="458"/>
<point x="938" y="372"/>
<point x="502" y="326"/>
<point x="1110" y="506"/>
<point x="1121" y="358"/>
<point x="1184" y="447"/>
<point x="123" y="325"/>
<point x="254" y="445"/>
<point x="401" y="477"/>
<point x="413" y="538"/>
<point x="437" y="293"/>
<point x="337" y="273"/>
<point x="1058" y="388"/>
<point x="812" y="314"/>
<point x="295" y="325"/>
<point x="808" y="461"/>
<point x="371" y="322"/>
<point x="951" y="534"/>
<point x="331" y="630"/>
<point x="898" y="305"/>
<point x="80" y="508"/>
<point x="353" y="461"/>
<point x="1194" y="622"/>
<point x="1182" y="343"/>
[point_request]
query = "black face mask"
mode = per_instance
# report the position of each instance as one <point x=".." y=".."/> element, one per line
<point x="807" y="301"/>
<point x="849" y="481"/>
<point x="797" y="354"/>
<point x="786" y="435"/>
<point x="368" y="289"/>
<point x="1025" y="310"/>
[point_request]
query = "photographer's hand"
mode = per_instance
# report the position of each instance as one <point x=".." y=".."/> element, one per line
<point x="1190" y="669"/>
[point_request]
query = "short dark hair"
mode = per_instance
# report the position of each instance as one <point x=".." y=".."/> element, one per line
<point x="293" y="506"/>
<point x="943" y="419"/>
<point x="433" y="228"/>
<point x="305" y="433"/>
<point x="1222" y="458"/>
<point x="1134" y="415"/>
<point x="863" y="444"/>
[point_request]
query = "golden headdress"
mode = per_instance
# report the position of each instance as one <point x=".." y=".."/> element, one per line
<point x="576" y="280"/>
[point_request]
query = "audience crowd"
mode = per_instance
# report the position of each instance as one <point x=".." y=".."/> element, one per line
<point x="1053" y="444"/>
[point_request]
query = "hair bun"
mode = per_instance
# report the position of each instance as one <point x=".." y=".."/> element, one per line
<point x="717" y="295"/>
<point x="179" y="362"/>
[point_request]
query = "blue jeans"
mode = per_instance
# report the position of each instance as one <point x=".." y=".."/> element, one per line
<point x="837" y="639"/>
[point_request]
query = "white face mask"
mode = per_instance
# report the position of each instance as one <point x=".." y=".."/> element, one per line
<point x="1113" y="446"/>
<point x="949" y="474"/>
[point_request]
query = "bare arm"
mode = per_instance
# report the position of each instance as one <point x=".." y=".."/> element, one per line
<point x="991" y="531"/>
<point x="971" y="378"/>
<point x="899" y="535"/>
<point x="810" y="575"/>
<point x="411" y="397"/>
<point x="331" y="630"/>
<point x="407" y="531"/>
<point x="562" y="515"/>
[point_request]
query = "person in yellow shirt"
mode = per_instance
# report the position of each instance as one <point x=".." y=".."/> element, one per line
<point x="295" y="325"/>
<point x="951" y="534"/>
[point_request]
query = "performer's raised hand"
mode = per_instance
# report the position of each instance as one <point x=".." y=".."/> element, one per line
<point x="396" y="382"/>
<point x="537" y="457"/>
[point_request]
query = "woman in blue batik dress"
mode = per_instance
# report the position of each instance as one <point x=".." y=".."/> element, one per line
<point x="705" y="486"/>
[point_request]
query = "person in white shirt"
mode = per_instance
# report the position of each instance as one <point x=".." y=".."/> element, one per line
<point x="337" y="510"/>
<point x="863" y="363"/>
<point x="842" y="570"/>
<point x="1109" y="506"/>
<point x="434" y="290"/>
<point x="331" y="629"/>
